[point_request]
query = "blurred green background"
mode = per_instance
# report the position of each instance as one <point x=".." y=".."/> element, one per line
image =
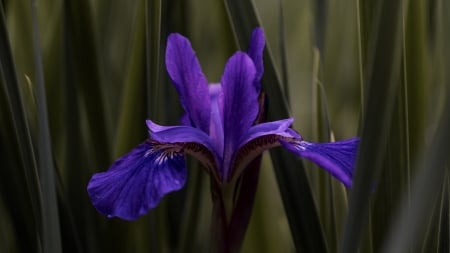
<point x="79" y="78"/>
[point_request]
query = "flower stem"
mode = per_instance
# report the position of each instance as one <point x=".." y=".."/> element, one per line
<point x="219" y="242"/>
<point x="232" y="208"/>
<point x="240" y="217"/>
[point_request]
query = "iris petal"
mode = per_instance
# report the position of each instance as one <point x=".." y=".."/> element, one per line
<point x="179" y="134"/>
<point x="338" y="158"/>
<point x="137" y="181"/>
<point x="240" y="103"/>
<point x="189" y="80"/>
<point x="260" y="138"/>
<point x="191" y="140"/>
<point x="255" y="51"/>
<point x="216" y="124"/>
<point x="278" y="127"/>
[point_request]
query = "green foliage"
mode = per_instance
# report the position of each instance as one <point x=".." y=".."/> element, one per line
<point x="78" y="79"/>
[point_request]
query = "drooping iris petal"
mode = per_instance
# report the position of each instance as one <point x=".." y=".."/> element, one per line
<point x="338" y="158"/>
<point x="189" y="140"/>
<point x="255" y="51"/>
<point x="189" y="80"/>
<point x="278" y="127"/>
<point x="179" y="134"/>
<point x="240" y="103"/>
<point x="137" y="181"/>
<point x="260" y="138"/>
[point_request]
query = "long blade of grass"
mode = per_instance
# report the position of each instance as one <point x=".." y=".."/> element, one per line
<point x="361" y="56"/>
<point x="320" y="8"/>
<point x="294" y="186"/>
<point x="444" y="221"/>
<point x="432" y="224"/>
<point x="408" y="228"/>
<point x="153" y="51"/>
<point x="50" y="216"/>
<point x="283" y="58"/>
<point x="75" y="225"/>
<point x="383" y="79"/>
<point x="88" y="135"/>
<point x="131" y="125"/>
<point x="432" y="170"/>
<point x="19" y="174"/>
<point x="86" y="72"/>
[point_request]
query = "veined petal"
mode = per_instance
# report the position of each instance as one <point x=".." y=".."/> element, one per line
<point x="189" y="80"/>
<point x="275" y="127"/>
<point x="240" y="103"/>
<point x="337" y="158"/>
<point x="260" y="138"/>
<point x="137" y="181"/>
<point x="188" y="139"/>
<point x="255" y="51"/>
<point x="216" y="124"/>
<point x="178" y="134"/>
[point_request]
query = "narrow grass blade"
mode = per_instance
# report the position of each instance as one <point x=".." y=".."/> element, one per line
<point x="431" y="172"/>
<point x="320" y="11"/>
<point x="131" y="124"/>
<point x="292" y="181"/>
<point x="86" y="72"/>
<point x="433" y="224"/>
<point x="89" y="144"/>
<point x="383" y="79"/>
<point x="405" y="141"/>
<point x="50" y="215"/>
<point x="283" y="58"/>
<point x="444" y="221"/>
<point x="153" y="52"/>
<point x="19" y="176"/>
<point x="416" y="62"/>
<point x="410" y="217"/>
<point x="361" y="55"/>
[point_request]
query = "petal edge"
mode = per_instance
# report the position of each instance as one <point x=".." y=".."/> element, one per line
<point x="188" y="78"/>
<point x="136" y="182"/>
<point x="337" y="158"/>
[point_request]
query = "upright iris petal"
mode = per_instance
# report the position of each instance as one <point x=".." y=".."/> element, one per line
<point x="240" y="105"/>
<point x="255" y="51"/>
<point x="189" y="80"/>
<point x="219" y="128"/>
<point x="216" y="123"/>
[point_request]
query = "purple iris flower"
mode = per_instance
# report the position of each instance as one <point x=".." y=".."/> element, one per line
<point x="220" y="129"/>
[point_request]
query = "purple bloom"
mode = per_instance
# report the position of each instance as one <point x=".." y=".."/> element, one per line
<point x="219" y="129"/>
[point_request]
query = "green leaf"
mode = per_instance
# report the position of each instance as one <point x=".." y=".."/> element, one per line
<point x="50" y="215"/>
<point x="87" y="78"/>
<point x="20" y="172"/>
<point x="383" y="78"/>
<point x="426" y="186"/>
<point x="413" y="227"/>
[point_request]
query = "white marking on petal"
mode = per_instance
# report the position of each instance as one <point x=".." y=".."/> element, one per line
<point x="170" y="150"/>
